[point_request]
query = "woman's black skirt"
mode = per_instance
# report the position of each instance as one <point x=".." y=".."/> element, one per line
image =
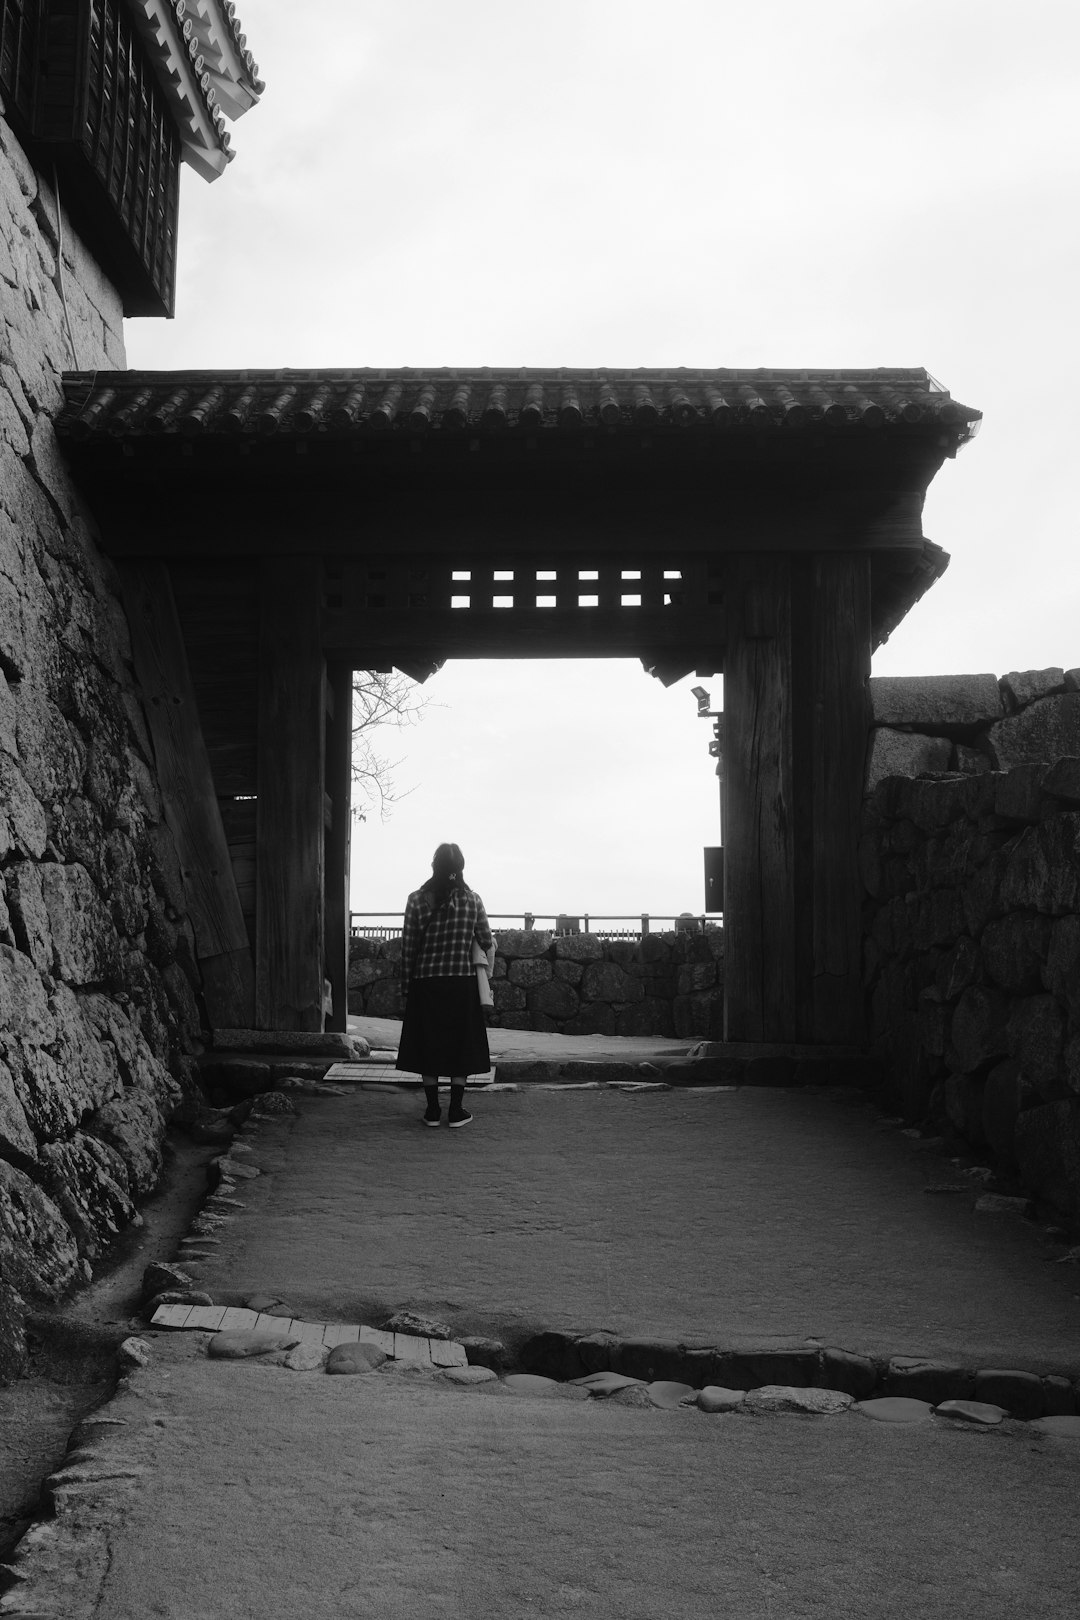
<point x="443" y="1031"/>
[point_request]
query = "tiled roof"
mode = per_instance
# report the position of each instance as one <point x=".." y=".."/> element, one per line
<point x="201" y="58"/>
<point x="338" y="402"/>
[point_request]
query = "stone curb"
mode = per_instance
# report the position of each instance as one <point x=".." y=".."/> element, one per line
<point x="779" y="1070"/>
<point x="1024" y="1394"/>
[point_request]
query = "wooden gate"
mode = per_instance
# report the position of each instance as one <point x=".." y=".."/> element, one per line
<point x="274" y="531"/>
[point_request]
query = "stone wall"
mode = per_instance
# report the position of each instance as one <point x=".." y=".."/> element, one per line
<point x="98" y="1014"/>
<point x="973" y="959"/>
<point x="667" y="984"/>
<point x="971" y="723"/>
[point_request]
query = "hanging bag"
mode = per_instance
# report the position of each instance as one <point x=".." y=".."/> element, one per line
<point x="484" y="963"/>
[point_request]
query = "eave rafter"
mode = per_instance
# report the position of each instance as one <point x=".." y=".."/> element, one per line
<point x="206" y="70"/>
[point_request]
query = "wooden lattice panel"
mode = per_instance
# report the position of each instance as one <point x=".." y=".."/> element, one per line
<point x="505" y="585"/>
<point x="18" y="55"/>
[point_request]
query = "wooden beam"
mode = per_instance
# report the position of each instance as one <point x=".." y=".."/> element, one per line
<point x="188" y="794"/>
<point x="290" y="892"/>
<point x="524" y="633"/>
<point x="402" y="503"/>
<point x="339" y="788"/>
<point x="333" y="528"/>
<point x="759" y="795"/>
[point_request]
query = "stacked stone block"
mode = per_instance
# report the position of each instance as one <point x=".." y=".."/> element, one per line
<point x="666" y="984"/>
<point x="929" y="724"/>
<point x="973" y="961"/>
<point x="98" y="1013"/>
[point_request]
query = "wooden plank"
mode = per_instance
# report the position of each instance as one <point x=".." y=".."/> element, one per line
<point x="271" y="1324"/>
<point x="207" y="1317"/>
<point x="839" y="671"/>
<point x="340" y="1333"/>
<point x="243" y="865"/>
<point x="339" y="787"/>
<point x="228" y="986"/>
<point x="759" y="863"/>
<point x="187" y="786"/>
<point x="290" y="892"/>
<point x="217" y="602"/>
<point x="803" y="733"/>
<point x="171" y="1316"/>
<point x="238" y="1317"/>
<point x="445" y="1353"/>
<point x="408" y="1347"/>
<point x="376" y="1336"/>
<point x="311" y="1332"/>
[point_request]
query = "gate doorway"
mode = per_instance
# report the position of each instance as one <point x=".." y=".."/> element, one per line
<point x="576" y="787"/>
<point x="276" y="530"/>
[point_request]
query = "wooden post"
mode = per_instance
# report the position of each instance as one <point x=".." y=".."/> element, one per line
<point x="290" y="826"/>
<point x="188" y="794"/>
<point x="759" y="859"/>
<point x="840" y="638"/>
<point x="798" y="653"/>
<point x="338" y="834"/>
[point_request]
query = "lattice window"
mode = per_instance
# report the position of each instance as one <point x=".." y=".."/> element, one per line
<point x="85" y="88"/>
<point x="130" y="140"/>
<point x="606" y="586"/>
<point x="506" y="585"/>
<point x="19" y="20"/>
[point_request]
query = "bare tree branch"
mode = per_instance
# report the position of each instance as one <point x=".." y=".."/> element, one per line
<point x="379" y="699"/>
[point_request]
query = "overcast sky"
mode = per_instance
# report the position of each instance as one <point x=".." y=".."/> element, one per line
<point x="699" y="183"/>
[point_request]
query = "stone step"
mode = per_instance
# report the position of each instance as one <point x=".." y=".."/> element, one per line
<point x="384" y="1072"/>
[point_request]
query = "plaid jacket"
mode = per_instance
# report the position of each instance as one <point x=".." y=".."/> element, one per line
<point x="438" y="944"/>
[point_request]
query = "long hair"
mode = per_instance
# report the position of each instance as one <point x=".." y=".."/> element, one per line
<point x="446" y="879"/>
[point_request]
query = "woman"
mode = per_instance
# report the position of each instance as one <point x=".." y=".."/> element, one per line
<point x="443" y="1031"/>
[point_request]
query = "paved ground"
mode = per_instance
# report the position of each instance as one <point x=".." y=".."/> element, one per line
<point x="739" y="1218"/>
<point x="734" y="1218"/>
<point x="269" y="1495"/>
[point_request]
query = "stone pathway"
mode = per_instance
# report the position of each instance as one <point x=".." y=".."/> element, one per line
<point x="433" y="1483"/>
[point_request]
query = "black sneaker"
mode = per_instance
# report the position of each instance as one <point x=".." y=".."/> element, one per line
<point x="432" y="1114"/>
<point x="458" y="1115"/>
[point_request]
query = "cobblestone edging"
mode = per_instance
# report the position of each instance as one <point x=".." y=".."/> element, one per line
<point x="667" y="984"/>
<point x="813" y="1365"/>
<point x="813" y="1378"/>
<point x="814" y="1381"/>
